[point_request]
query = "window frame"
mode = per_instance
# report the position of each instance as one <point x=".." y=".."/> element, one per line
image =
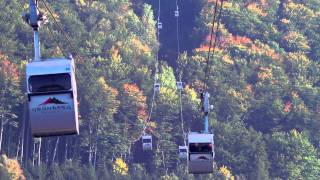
<point x="69" y="78"/>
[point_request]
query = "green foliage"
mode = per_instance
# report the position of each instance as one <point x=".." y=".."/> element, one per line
<point x="264" y="81"/>
<point x="292" y="156"/>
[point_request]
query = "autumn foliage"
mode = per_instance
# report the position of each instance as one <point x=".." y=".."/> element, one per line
<point x="12" y="167"/>
<point x="8" y="69"/>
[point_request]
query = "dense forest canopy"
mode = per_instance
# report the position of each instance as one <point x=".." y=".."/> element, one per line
<point x="264" y="85"/>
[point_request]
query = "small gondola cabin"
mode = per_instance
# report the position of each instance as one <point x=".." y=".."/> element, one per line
<point x="183" y="152"/>
<point x="147" y="142"/>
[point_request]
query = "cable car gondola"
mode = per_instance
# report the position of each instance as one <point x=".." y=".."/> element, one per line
<point x="52" y="97"/>
<point x="147" y="142"/>
<point x="179" y="86"/>
<point x="176" y="13"/>
<point x="156" y="87"/>
<point x="200" y="153"/>
<point x="159" y="25"/>
<point x="183" y="152"/>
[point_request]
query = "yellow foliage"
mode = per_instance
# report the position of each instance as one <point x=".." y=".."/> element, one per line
<point x="293" y="37"/>
<point x="240" y="98"/>
<point x="295" y="94"/>
<point x="302" y="108"/>
<point x="227" y="5"/>
<point x="299" y="58"/>
<point x="265" y="73"/>
<point x="199" y="58"/>
<point x="234" y="93"/>
<point x="120" y="167"/>
<point x="192" y="94"/>
<point x="274" y="29"/>
<point x="167" y="177"/>
<point x="294" y="133"/>
<point x="114" y="54"/>
<point x="81" y="2"/>
<point x="285" y="21"/>
<point x="299" y="10"/>
<point x="226" y="172"/>
<point x="12" y="167"/>
<point x="102" y="82"/>
<point x="227" y="59"/>
<point x="151" y="125"/>
<point x="143" y="70"/>
<point x="168" y="94"/>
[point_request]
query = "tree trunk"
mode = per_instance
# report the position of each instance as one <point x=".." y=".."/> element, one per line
<point x="163" y="162"/>
<point x="95" y="155"/>
<point x="96" y="141"/>
<point x="90" y="144"/>
<point x="1" y="133"/>
<point x="48" y="143"/>
<point x="18" y="147"/>
<point x="66" y="150"/>
<point x="33" y="152"/>
<point x="23" y="130"/>
<point x="55" y="150"/>
<point x="39" y="151"/>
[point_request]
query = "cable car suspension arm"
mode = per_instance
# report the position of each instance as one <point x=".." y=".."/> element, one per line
<point x="206" y="107"/>
<point x="34" y="18"/>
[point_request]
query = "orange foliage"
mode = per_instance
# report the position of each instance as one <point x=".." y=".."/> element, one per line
<point x="142" y="113"/>
<point x="133" y="91"/>
<point x="240" y="40"/>
<point x="205" y="48"/>
<point x="249" y="88"/>
<point x="140" y="46"/>
<point x="253" y="7"/>
<point x="285" y="21"/>
<point x="287" y="107"/>
<point x="202" y="48"/>
<point x="214" y="1"/>
<point x="8" y="69"/>
<point x="232" y="40"/>
<point x="224" y="41"/>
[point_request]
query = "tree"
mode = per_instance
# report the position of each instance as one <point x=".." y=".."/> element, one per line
<point x="292" y="156"/>
<point x="10" y="95"/>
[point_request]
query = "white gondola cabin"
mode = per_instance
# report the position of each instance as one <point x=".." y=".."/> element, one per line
<point x="52" y="96"/>
<point x="200" y="153"/>
<point x="156" y="87"/>
<point x="159" y="25"/>
<point x="147" y="142"/>
<point x="183" y="152"/>
<point x="176" y="13"/>
<point x="179" y="86"/>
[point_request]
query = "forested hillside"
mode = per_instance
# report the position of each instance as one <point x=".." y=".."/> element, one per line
<point x="264" y="85"/>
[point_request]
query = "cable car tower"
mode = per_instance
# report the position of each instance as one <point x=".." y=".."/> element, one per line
<point x="51" y="87"/>
<point x="201" y="145"/>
